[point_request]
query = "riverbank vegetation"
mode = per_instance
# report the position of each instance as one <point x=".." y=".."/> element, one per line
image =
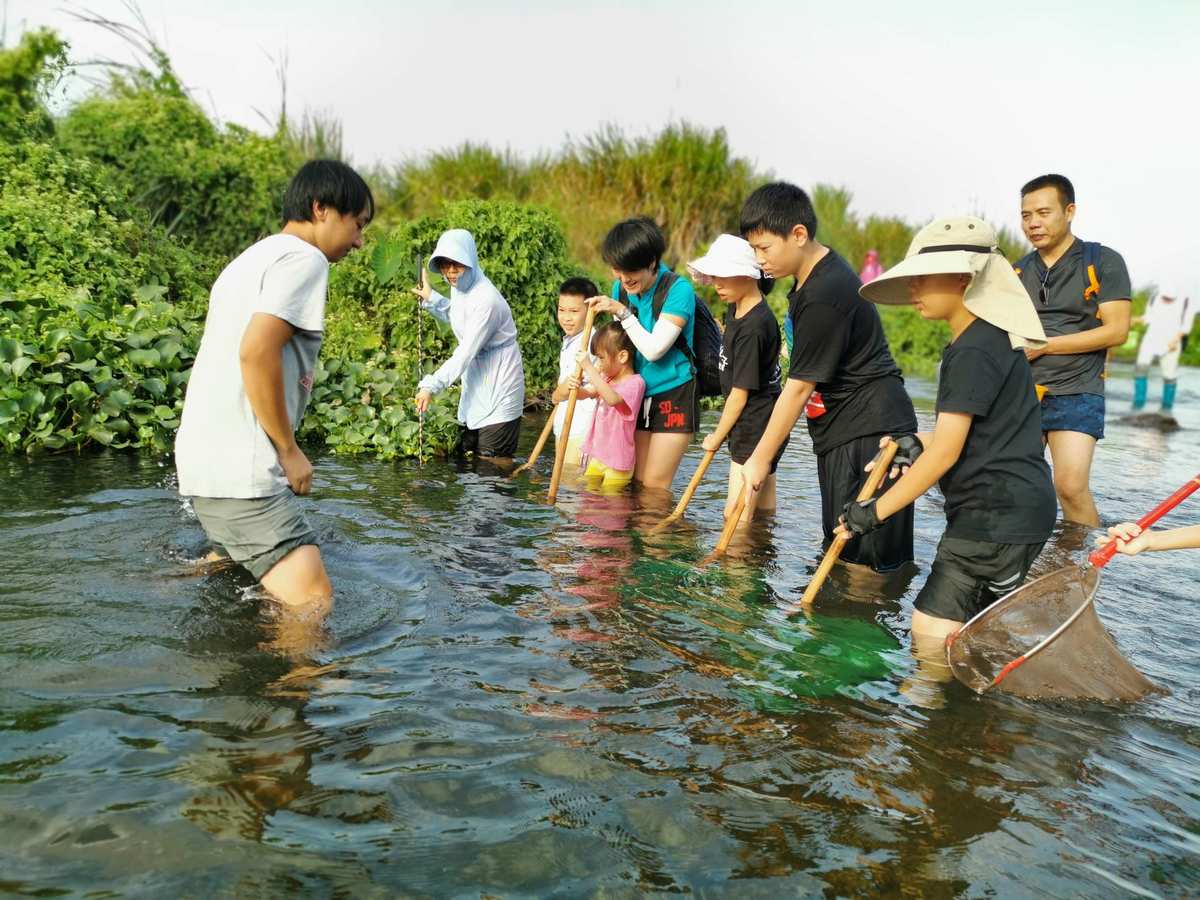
<point x="117" y="213"/>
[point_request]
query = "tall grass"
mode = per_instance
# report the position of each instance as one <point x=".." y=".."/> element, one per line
<point x="685" y="177"/>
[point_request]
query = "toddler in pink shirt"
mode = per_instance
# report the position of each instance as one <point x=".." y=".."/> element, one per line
<point x="608" y="448"/>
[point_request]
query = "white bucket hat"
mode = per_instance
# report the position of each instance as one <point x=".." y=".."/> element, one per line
<point x="965" y="246"/>
<point x="728" y="257"/>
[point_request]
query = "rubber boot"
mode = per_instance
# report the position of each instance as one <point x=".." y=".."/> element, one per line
<point x="1140" y="386"/>
<point x="1169" y="395"/>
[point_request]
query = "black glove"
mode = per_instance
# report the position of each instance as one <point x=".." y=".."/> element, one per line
<point x="859" y="518"/>
<point x="908" y="448"/>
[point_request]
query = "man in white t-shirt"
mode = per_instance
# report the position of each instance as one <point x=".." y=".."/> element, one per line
<point x="236" y="451"/>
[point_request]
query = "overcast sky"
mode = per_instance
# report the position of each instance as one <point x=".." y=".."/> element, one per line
<point x="919" y="108"/>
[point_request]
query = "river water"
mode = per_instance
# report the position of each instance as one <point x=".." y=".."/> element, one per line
<point x="523" y="701"/>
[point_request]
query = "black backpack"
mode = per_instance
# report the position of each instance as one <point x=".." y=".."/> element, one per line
<point x="706" y="337"/>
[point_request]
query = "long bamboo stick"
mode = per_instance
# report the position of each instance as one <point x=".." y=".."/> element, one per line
<point x="883" y="462"/>
<point x="560" y="449"/>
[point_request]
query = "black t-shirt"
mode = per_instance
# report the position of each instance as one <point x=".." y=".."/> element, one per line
<point x="838" y="343"/>
<point x="750" y="360"/>
<point x="1067" y="312"/>
<point x="1000" y="488"/>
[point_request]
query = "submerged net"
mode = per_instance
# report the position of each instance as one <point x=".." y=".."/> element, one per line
<point x="1081" y="662"/>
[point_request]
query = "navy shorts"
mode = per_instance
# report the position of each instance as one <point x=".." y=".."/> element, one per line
<point x="1074" y="412"/>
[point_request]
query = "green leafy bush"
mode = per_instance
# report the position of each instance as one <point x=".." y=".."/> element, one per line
<point x="65" y="226"/>
<point x="86" y="355"/>
<point x="74" y="372"/>
<point x="367" y="407"/>
<point x="26" y="72"/>
<point x="219" y="189"/>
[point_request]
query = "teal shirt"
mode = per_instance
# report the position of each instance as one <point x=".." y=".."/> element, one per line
<point x="672" y="368"/>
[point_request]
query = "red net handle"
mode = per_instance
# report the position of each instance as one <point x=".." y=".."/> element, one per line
<point x="1105" y="553"/>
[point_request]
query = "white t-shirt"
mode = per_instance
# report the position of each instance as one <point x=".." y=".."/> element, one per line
<point x="581" y="421"/>
<point x="221" y="450"/>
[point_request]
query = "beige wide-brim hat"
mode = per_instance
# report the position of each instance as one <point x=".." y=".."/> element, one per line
<point x="965" y="246"/>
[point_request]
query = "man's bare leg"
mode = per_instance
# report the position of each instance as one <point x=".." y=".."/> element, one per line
<point x="300" y="585"/>
<point x="1071" y="457"/>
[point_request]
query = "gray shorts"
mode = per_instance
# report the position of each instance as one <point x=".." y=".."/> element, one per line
<point x="257" y="532"/>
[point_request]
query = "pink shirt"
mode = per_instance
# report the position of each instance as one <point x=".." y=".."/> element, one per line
<point x="611" y="438"/>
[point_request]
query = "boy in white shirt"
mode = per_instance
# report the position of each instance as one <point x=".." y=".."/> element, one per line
<point x="236" y="451"/>
<point x="572" y="311"/>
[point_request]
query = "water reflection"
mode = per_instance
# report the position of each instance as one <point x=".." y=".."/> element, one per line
<point x="516" y="699"/>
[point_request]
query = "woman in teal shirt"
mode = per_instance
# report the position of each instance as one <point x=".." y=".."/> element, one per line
<point x="670" y="412"/>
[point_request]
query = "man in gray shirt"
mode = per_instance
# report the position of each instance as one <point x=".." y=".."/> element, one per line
<point x="236" y="452"/>
<point x="1081" y="292"/>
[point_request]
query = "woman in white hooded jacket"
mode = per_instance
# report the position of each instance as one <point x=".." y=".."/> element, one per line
<point x="487" y="357"/>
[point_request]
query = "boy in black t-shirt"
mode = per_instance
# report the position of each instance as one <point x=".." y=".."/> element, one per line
<point x="985" y="452"/>
<point x="838" y="348"/>
<point x="750" y="376"/>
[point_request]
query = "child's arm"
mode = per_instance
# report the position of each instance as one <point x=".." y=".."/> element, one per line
<point x="786" y="412"/>
<point x="600" y="388"/>
<point x="942" y="451"/>
<point x="562" y="390"/>
<point x="582" y="392"/>
<point x="732" y="411"/>
<point x="1132" y="540"/>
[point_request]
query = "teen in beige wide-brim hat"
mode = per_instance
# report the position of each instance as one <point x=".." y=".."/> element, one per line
<point x="965" y="246"/>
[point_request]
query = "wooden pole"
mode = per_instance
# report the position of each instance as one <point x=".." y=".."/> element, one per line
<point x="537" y="448"/>
<point x="687" y="495"/>
<point x="560" y="449"/>
<point x="731" y="525"/>
<point x="883" y="462"/>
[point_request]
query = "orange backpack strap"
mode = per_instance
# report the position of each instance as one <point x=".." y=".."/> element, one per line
<point x="1091" y="270"/>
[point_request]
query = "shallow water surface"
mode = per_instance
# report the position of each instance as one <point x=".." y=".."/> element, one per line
<point x="516" y="700"/>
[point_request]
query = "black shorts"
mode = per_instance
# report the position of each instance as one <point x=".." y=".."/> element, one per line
<point x="840" y="473"/>
<point x="969" y="576"/>
<point x="676" y="411"/>
<point x="498" y="441"/>
<point x="740" y="453"/>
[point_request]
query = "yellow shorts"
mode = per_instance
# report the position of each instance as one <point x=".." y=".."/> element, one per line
<point x="574" y="452"/>
<point x="605" y="478"/>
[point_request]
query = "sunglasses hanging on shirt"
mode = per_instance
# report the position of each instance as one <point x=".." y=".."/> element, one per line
<point x="1044" y="291"/>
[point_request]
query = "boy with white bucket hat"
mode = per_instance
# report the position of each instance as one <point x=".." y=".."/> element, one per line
<point x="985" y="452"/>
<point x="749" y="362"/>
<point x="839" y="349"/>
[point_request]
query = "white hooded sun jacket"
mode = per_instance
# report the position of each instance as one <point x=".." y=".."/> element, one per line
<point x="487" y="357"/>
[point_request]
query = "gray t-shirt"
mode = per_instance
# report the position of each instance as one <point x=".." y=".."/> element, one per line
<point x="1067" y="312"/>
<point x="221" y="450"/>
